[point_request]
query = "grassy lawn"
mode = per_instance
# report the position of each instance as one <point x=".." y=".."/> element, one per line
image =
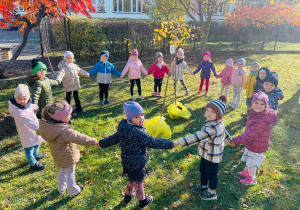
<point x="172" y="172"/>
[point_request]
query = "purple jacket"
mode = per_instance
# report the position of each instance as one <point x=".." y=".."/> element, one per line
<point x="258" y="128"/>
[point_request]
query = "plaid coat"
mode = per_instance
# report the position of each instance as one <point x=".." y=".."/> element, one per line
<point x="210" y="140"/>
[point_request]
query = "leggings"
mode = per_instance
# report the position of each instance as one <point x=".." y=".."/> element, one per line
<point x="66" y="179"/>
<point x="76" y="98"/>
<point x="138" y="83"/>
<point x="139" y="189"/>
<point x="206" y="84"/>
<point x="182" y="83"/>
<point x="209" y="172"/>
<point x="103" y="90"/>
<point x="157" y="84"/>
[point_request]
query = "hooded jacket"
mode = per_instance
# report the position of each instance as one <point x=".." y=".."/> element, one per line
<point x="134" y="68"/>
<point x="226" y="75"/>
<point x="103" y="71"/>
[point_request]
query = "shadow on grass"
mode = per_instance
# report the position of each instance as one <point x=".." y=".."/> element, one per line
<point x="8" y="149"/>
<point x="49" y="197"/>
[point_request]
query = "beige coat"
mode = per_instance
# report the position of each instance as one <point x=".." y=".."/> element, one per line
<point x="179" y="70"/>
<point x="62" y="140"/>
<point x="68" y="74"/>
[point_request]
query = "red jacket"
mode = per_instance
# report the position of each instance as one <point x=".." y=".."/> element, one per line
<point x="258" y="128"/>
<point x="158" y="72"/>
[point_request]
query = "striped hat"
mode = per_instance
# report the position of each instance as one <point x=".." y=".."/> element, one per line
<point x="218" y="105"/>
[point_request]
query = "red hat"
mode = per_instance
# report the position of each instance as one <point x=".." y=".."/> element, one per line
<point x="135" y="52"/>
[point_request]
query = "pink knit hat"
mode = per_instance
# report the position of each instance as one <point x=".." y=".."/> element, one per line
<point x="180" y="52"/>
<point x="260" y="96"/>
<point x="60" y="115"/>
<point x="229" y="62"/>
<point x="135" y="52"/>
<point x="207" y="53"/>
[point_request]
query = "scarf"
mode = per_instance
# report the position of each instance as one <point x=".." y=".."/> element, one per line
<point x="253" y="72"/>
<point x="178" y="61"/>
<point x="23" y="107"/>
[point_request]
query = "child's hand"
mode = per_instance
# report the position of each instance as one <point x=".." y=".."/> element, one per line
<point x="98" y="145"/>
<point x="232" y="143"/>
<point x="88" y="76"/>
<point x="176" y="144"/>
<point x="56" y="83"/>
<point x="121" y="78"/>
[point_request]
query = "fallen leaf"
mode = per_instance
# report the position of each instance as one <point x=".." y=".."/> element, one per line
<point x="184" y="166"/>
<point x="234" y="157"/>
<point x="27" y="195"/>
<point x="279" y="185"/>
<point x="214" y="206"/>
<point x="175" y="205"/>
<point x="12" y="144"/>
<point x="106" y="180"/>
<point x="82" y="152"/>
<point x="191" y="184"/>
<point x="272" y="171"/>
<point x="118" y="156"/>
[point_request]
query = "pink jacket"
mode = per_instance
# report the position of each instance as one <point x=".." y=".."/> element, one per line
<point x="239" y="78"/>
<point x="258" y="128"/>
<point x="134" y="68"/>
<point x="26" y="123"/>
<point x="158" y="72"/>
<point x="226" y="75"/>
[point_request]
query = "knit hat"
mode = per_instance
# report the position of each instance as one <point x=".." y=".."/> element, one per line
<point x="180" y="52"/>
<point x="229" y="62"/>
<point x="207" y="53"/>
<point x="135" y="52"/>
<point x="104" y="52"/>
<point x="241" y="60"/>
<point x="218" y="105"/>
<point x="159" y="54"/>
<point x="255" y="63"/>
<point x="272" y="78"/>
<point x="132" y="109"/>
<point x="60" y="115"/>
<point x="68" y="53"/>
<point x="267" y="69"/>
<point x="37" y="65"/>
<point x="22" y="90"/>
<point x="260" y="96"/>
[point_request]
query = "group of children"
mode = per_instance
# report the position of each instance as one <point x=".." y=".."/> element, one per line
<point x="54" y="126"/>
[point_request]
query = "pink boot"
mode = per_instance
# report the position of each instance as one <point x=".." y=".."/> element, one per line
<point x="244" y="173"/>
<point x="199" y="92"/>
<point x="249" y="181"/>
<point x="263" y="158"/>
<point x="206" y="94"/>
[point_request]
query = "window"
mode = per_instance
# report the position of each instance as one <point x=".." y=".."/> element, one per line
<point x="131" y="6"/>
<point x="99" y="5"/>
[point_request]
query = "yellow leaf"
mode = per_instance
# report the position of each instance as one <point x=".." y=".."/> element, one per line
<point x="159" y="38"/>
<point x="184" y="166"/>
<point x="156" y="30"/>
<point x="27" y="195"/>
<point x="171" y="42"/>
<point x="162" y="25"/>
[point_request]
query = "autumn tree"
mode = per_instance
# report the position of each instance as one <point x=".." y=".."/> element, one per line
<point x="36" y="10"/>
<point x="165" y="10"/>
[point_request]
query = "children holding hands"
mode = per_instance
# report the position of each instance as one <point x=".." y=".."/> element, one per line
<point x="262" y="73"/>
<point x="226" y="76"/>
<point x="251" y="82"/>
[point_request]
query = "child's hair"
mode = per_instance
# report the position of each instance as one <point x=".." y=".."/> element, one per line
<point x="69" y="53"/>
<point x="51" y="108"/>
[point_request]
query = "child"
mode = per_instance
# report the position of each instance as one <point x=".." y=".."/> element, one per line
<point x="134" y="66"/>
<point x="103" y="69"/>
<point x="134" y="140"/>
<point x="69" y="75"/>
<point x="21" y="109"/>
<point x="210" y="140"/>
<point x="41" y="85"/>
<point x="273" y="92"/>
<point x="206" y="66"/>
<point x="260" y="77"/>
<point x="56" y="129"/>
<point x="238" y="80"/>
<point x="256" y="137"/>
<point x="226" y="76"/>
<point x="179" y="68"/>
<point x="159" y="68"/>
<point x="250" y="83"/>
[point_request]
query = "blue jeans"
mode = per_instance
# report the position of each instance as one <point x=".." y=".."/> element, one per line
<point x="31" y="153"/>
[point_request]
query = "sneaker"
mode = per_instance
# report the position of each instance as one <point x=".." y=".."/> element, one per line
<point x="38" y="166"/>
<point x="102" y="102"/>
<point x="207" y="195"/>
<point x="128" y="198"/>
<point x="82" y="111"/>
<point x="199" y="92"/>
<point x="74" y="115"/>
<point x="107" y="101"/>
<point x="40" y="156"/>
<point x="263" y="158"/>
<point x="155" y="94"/>
<point x="81" y="188"/>
<point x="206" y="94"/>
<point x="244" y="173"/>
<point x="133" y="98"/>
<point x="199" y="188"/>
<point x="147" y="202"/>
<point x="187" y="92"/>
<point x="141" y="97"/>
<point x="159" y="94"/>
<point x="249" y="181"/>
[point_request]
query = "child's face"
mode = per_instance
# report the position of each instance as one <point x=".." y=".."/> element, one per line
<point x="69" y="59"/>
<point x="240" y="65"/>
<point x="268" y="86"/>
<point x="262" y="74"/>
<point x="159" y="59"/>
<point x="179" y="56"/>
<point x="134" y="58"/>
<point x="206" y="57"/>
<point x="22" y="100"/>
<point x="210" y="114"/>
<point x="103" y="58"/>
<point x="138" y="120"/>
<point x="227" y="67"/>
<point x="41" y="73"/>
<point x="67" y="119"/>
<point x="254" y="67"/>
<point x="258" y="106"/>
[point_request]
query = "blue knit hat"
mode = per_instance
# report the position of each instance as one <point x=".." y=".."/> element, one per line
<point x="241" y="60"/>
<point x="132" y="109"/>
<point x="272" y="78"/>
<point x="104" y="52"/>
<point x="255" y="63"/>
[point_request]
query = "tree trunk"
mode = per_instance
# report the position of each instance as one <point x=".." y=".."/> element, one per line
<point x="264" y="39"/>
<point x="276" y="37"/>
<point x="203" y="45"/>
<point x="237" y="43"/>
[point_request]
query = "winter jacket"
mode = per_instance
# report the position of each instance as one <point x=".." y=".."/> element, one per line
<point x="26" y="123"/>
<point x="206" y="69"/>
<point x="257" y="133"/>
<point x="239" y="78"/>
<point x="250" y="84"/>
<point x="258" y="85"/>
<point x="210" y="140"/>
<point x="134" y="141"/>
<point x="134" y="68"/>
<point x="179" y="70"/>
<point x="226" y="75"/>
<point x="104" y="71"/>
<point x="41" y="90"/>
<point x="274" y="96"/>
<point x="68" y="74"/>
<point x="62" y="140"/>
<point x="158" y="72"/>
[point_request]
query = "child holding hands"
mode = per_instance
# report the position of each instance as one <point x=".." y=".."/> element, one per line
<point x="134" y="140"/>
<point x="210" y="140"/>
<point x="226" y="76"/>
<point x="262" y="73"/>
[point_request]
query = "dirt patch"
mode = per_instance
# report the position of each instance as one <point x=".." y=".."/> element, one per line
<point x="7" y="125"/>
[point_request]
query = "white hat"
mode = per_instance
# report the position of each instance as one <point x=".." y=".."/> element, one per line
<point x="22" y="90"/>
<point x="68" y="53"/>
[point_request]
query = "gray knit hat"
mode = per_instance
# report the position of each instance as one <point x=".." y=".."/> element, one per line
<point x="159" y="54"/>
<point x="22" y="90"/>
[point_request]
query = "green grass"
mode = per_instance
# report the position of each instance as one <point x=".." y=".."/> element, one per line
<point x="172" y="172"/>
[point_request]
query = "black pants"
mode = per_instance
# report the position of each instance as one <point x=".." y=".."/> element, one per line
<point x="138" y="83"/>
<point x="157" y="84"/>
<point x="209" y="172"/>
<point x="76" y="98"/>
<point x="103" y="90"/>
<point x="182" y="83"/>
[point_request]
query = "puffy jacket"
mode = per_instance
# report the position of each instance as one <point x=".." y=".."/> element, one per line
<point x="134" y="68"/>
<point x="206" y="69"/>
<point x="104" y="71"/>
<point x="274" y="96"/>
<point x="250" y="84"/>
<point x="68" y="74"/>
<point x="239" y="78"/>
<point x="158" y="72"/>
<point x="257" y="133"/>
<point x="226" y="75"/>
